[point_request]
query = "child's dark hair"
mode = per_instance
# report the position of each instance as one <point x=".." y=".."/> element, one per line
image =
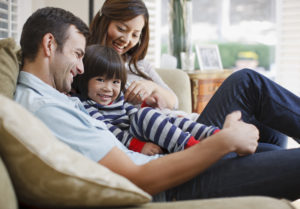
<point x="99" y="61"/>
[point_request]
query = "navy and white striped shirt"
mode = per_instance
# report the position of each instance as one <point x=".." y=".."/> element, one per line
<point x="127" y="122"/>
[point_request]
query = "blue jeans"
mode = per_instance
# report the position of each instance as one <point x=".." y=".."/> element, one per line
<point x="274" y="110"/>
<point x="271" y="171"/>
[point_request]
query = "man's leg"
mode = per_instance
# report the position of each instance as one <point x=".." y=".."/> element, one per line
<point x="273" y="173"/>
<point x="264" y="103"/>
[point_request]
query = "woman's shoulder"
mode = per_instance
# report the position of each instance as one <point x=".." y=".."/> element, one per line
<point x="144" y="63"/>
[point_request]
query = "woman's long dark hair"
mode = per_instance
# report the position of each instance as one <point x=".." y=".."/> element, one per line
<point x="122" y="10"/>
<point x="99" y="61"/>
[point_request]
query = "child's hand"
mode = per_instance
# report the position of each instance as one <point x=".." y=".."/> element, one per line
<point x="151" y="149"/>
<point x="155" y="101"/>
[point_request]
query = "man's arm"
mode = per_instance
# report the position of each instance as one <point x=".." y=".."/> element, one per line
<point x="174" y="169"/>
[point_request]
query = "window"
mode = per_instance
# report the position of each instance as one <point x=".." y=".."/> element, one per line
<point x="153" y="53"/>
<point x="288" y="62"/>
<point x="243" y="29"/>
<point x="8" y="19"/>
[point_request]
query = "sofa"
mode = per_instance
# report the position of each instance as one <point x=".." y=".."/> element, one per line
<point x="39" y="171"/>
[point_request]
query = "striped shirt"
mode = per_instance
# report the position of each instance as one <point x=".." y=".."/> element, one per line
<point x="128" y="124"/>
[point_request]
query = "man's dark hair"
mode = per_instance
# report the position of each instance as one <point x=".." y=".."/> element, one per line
<point x="48" y="20"/>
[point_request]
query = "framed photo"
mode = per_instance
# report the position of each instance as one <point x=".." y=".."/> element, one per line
<point x="209" y="57"/>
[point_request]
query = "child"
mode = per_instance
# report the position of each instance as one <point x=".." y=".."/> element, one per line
<point x="100" y="88"/>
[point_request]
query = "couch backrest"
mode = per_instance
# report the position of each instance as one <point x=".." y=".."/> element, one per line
<point x="9" y="67"/>
<point x="179" y="82"/>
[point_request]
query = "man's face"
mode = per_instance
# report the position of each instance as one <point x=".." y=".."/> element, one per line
<point x="67" y="63"/>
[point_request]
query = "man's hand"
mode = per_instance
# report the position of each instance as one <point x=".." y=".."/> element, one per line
<point x="242" y="136"/>
<point x="151" y="149"/>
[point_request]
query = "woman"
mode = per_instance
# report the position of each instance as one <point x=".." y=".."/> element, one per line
<point x="123" y="25"/>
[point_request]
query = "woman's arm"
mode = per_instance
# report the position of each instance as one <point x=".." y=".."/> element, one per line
<point x="177" y="168"/>
<point x="140" y="89"/>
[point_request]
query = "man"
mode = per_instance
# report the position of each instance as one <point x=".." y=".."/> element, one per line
<point x="53" y="43"/>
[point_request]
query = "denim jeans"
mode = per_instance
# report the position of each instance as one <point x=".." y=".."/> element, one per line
<point x="271" y="171"/>
<point x="273" y="109"/>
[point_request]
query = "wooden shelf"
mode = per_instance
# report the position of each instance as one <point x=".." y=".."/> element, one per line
<point x="204" y="84"/>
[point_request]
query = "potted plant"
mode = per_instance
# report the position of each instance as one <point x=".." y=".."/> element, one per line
<point x="180" y="34"/>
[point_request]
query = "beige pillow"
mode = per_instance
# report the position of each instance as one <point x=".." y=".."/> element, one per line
<point x="8" y="198"/>
<point x="9" y="67"/>
<point x="46" y="172"/>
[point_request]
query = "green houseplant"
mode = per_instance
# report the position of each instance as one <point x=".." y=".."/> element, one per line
<point x="180" y="33"/>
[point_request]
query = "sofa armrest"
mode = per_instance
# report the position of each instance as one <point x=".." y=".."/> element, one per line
<point x="179" y="82"/>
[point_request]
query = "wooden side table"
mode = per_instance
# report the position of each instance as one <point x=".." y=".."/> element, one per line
<point x="204" y="84"/>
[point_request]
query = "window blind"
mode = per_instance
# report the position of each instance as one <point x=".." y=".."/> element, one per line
<point x="288" y="50"/>
<point x="153" y="54"/>
<point x="8" y="18"/>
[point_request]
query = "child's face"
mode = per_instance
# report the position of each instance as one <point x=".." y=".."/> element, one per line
<point x="104" y="91"/>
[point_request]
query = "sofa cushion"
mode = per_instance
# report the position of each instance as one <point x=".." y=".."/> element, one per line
<point x="9" y="67"/>
<point x="7" y="198"/>
<point x="179" y="82"/>
<point x="46" y="172"/>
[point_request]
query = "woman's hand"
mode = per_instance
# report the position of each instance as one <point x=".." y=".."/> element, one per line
<point x="138" y="91"/>
<point x="151" y="149"/>
<point x="156" y="95"/>
<point x="156" y="100"/>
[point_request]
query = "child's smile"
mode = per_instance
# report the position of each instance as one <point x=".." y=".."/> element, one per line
<point x="104" y="91"/>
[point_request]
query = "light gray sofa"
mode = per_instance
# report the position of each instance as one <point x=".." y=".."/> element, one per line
<point x="38" y="171"/>
<point x="179" y="82"/>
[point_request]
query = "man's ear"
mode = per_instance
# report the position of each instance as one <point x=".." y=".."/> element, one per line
<point x="48" y="44"/>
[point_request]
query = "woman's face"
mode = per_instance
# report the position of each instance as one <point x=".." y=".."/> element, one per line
<point x="123" y="36"/>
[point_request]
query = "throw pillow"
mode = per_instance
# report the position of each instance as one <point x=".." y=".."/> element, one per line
<point x="9" y="67"/>
<point x="8" y="198"/>
<point x="47" y="173"/>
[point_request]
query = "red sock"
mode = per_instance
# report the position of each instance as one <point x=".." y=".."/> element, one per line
<point x="192" y="141"/>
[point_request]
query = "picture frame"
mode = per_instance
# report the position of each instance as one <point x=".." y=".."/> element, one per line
<point x="209" y="57"/>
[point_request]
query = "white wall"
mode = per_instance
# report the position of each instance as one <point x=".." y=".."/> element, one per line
<point x="78" y="7"/>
